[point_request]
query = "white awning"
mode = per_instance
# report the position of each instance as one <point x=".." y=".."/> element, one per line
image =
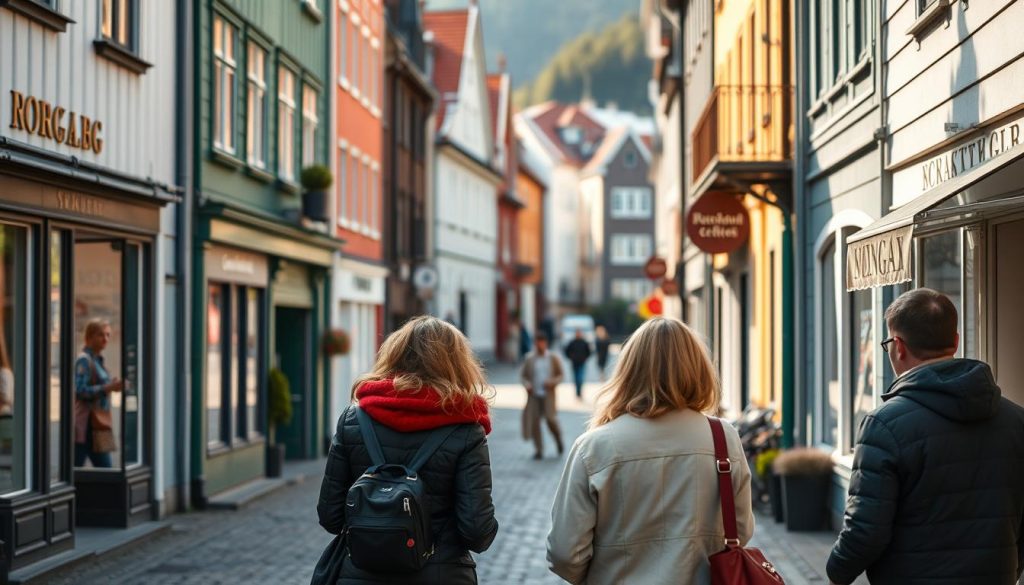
<point x="879" y="254"/>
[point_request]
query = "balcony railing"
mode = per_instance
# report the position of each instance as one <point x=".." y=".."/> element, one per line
<point x="744" y="123"/>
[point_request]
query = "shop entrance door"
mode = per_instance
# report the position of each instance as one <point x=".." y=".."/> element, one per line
<point x="1007" y="320"/>
<point x="112" y="482"/>
<point x="292" y="333"/>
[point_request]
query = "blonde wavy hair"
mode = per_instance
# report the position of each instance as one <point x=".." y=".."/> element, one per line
<point x="427" y="351"/>
<point x="663" y="367"/>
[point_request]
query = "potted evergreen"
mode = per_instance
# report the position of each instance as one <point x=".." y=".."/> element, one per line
<point x="315" y="179"/>
<point x="772" y="481"/>
<point x="806" y="474"/>
<point x="280" y="413"/>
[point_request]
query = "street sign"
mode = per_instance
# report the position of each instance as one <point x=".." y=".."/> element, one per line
<point x="425" y="280"/>
<point x="655" y="268"/>
<point x="718" y="223"/>
<point x="669" y="287"/>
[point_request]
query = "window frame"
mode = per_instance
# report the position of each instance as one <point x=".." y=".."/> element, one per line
<point x="286" y="133"/>
<point x="224" y="135"/>
<point x="310" y="123"/>
<point x="256" y="86"/>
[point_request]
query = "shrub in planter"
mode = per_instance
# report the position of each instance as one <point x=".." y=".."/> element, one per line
<point x="336" y="342"/>
<point x="805" y="477"/>
<point x="315" y="179"/>
<point x="279" y="411"/>
<point x="763" y="466"/>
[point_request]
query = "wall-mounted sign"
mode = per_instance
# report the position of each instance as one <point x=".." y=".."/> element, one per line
<point x="655" y="268"/>
<point x="40" y="117"/>
<point x="230" y="265"/>
<point x="669" y="287"/>
<point x="425" y="280"/>
<point x="880" y="260"/>
<point x="718" y="223"/>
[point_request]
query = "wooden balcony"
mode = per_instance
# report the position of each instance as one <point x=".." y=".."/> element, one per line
<point x="747" y="124"/>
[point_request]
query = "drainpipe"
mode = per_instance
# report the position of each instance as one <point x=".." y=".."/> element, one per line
<point x="183" y="250"/>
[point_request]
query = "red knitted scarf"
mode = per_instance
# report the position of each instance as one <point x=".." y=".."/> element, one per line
<point x="418" y="410"/>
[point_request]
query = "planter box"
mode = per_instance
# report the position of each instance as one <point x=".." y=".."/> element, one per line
<point x="314" y="205"/>
<point x="804" y="498"/>
<point x="275" y="460"/>
<point x="775" y="494"/>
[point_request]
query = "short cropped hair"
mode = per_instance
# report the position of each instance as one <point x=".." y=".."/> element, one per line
<point x="926" y="320"/>
<point x="541" y="336"/>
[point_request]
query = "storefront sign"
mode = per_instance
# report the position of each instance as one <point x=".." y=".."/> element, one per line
<point x="54" y="201"/>
<point x="40" y="117"/>
<point x="718" y="223"/>
<point x="880" y="260"/>
<point x="229" y="265"/>
<point x="655" y="268"/>
<point x="79" y="203"/>
<point x="912" y="181"/>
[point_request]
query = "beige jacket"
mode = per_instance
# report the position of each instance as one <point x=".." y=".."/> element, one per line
<point x="638" y="502"/>
<point x="526" y="374"/>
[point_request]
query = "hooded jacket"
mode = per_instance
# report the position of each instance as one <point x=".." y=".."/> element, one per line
<point x="457" y="478"/>
<point x="937" y="490"/>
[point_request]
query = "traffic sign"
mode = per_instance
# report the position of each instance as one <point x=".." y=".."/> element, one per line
<point x="655" y="268"/>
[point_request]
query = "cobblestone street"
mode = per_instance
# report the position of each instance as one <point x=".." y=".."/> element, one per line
<point x="277" y="539"/>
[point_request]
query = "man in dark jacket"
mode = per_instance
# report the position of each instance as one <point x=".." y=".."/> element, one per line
<point x="937" y="491"/>
<point x="578" y="352"/>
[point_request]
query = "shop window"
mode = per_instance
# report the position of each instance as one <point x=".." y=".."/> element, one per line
<point x="941" y="265"/>
<point x="58" y="357"/>
<point x="286" y="124"/>
<point x="215" y="353"/>
<point x="118" y="22"/>
<point x="257" y="111"/>
<point x="224" y="65"/>
<point x="829" y="390"/>
<point x="862" y="360"/>
<point x="14" y="341"/>
<point x="234" y="370"/>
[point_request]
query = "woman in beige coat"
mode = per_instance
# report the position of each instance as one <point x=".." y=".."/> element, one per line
<point x="638" y="500"/>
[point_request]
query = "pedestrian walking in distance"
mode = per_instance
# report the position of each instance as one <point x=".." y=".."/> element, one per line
<point x="638" y="501"/>
<point x="937" y="489"/>
<point x="541" y="374"/>
<point x="425" y="378"/>
<point x="602" y="343"/>
<point x="578" y="352"/>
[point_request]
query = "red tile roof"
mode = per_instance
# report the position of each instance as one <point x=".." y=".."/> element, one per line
<point x="552" y="116"/>
<point x="449" y="29"/>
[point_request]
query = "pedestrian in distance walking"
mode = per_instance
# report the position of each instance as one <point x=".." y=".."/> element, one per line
<point x="937" y="487"/>
<point x="541" y="374"/>
<point x="638" y="501"/>
<point x="578" y="352"/>
<point x="601" y="345"/>
<point x="425" y="384"/>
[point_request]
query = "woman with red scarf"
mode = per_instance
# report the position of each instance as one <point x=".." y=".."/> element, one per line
<point x="425" y="377"/>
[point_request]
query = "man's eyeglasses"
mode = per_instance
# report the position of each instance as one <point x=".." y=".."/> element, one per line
<point x="885" y="344"/>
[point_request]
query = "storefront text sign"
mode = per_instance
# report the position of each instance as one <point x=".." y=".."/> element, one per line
<point x="912" y="181"/>
<point x="46" y="120"/>
<point x="231" y="265"/>
<point x="79" y="203"/>
<point x="880" y="260"/>
<point x="718" y="223"/>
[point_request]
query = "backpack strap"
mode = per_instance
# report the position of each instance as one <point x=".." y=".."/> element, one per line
<point x="724" y="468"/>
<point x="432" y="444"/>
<point x="370" y="437"/>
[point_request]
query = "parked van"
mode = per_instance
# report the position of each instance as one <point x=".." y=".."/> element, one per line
<point x="573" y="323"/>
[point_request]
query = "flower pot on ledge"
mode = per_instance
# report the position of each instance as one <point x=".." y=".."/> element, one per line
<point x="314" y="205"/>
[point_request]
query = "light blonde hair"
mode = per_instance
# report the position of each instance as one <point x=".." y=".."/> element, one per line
<point x="663" y="367"/>
<point x="427" y="351"/>
<point x="93" y="327"/>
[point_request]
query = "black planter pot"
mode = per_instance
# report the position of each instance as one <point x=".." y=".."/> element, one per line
<point x="775" y="494"/>
<point x="804" y="498"/>
<point x="314" y="205"/>
<point x="275" y="460"/>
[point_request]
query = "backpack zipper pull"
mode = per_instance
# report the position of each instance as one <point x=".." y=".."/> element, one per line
<point x="405" y="506"/>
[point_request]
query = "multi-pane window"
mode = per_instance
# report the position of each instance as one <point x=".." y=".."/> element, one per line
<point x="630" y="249"/>
<point x="15" y="385"/>
<point x="356" y="195"/>
<point x="831" y="403"/>
<point x="841" y="30"/>
<point x="234" y="330"/>
<point x="344" y="32"/>
<point x="117" y="22"/>
<point x="257" y="114"/>
<point x="630" y="289"/>
<point x="343" y="191"/>
<point x="375" y="202"/>
<point x="357" y="39"/>
<point x="364" y="193"/>
<point x="309" y="124"/>
<point x="631" y="203"/>
<point x="224" y="39"/>
<point x="286" y="123"/>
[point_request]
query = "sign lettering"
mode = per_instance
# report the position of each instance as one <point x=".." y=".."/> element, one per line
<point x="718" y="223"/>
<point x="879" y="260"/>
<point x="965" y="157"/>
<point x="81" y="204"/>
<point x="45" y="120"/>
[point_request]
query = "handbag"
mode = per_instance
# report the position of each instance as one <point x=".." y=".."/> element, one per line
<point x="101" y="422"/>
<point x="328" y="568"/>
<point x="735" y="565"/>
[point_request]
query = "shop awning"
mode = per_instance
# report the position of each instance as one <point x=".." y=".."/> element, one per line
<point x="879" y="254"/>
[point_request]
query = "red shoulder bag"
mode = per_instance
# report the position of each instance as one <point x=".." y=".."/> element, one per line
<point x="735" y="565"/>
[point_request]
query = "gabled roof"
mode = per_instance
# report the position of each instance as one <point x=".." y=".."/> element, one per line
<point x="610" y="147"/>
<point x="449" y="29"/>
<point x="551" y="117"/>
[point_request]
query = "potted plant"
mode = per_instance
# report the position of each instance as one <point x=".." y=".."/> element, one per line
<point x="315" y="179"/>
<point x="763" y="465"/>
<point x="805" y="481"/>
<point x="279" y="411"/>
<point x="335" y="342"/>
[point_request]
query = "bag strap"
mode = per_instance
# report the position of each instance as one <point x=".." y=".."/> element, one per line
<point x="724" y="469"/>
<point x="370" y="437"/>
<point x="432" y="444"/>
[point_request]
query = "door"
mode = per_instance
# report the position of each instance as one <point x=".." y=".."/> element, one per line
<point x="1007" y="320"/>
<point x="294" y="356"/>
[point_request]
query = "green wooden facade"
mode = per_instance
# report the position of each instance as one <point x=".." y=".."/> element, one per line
<point x="254" y="211"/>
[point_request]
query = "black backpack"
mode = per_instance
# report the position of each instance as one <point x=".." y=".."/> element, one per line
<point x="387" y="517"/>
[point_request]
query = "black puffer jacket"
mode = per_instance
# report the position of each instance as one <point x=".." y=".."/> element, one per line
<point x="458" y="483"/>
<point x="937" y="492"/>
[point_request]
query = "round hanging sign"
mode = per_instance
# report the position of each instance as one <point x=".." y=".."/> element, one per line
<point x="718" y="223"/>
<point x="655" y="268"/>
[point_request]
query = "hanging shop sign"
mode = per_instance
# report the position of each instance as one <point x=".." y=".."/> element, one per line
<point x="655" y="268"/>
<point x="880" y="260"/>
<point x="718" y="223"/>
<point x="669" y="287"/>
<point x="40" y="117"/>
